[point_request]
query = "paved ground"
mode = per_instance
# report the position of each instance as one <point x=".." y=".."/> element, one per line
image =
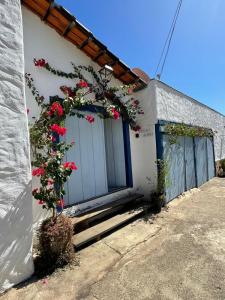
<point x="178" y="255"/>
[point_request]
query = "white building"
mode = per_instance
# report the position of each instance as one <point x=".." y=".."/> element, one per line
<point x="112" y="162"/>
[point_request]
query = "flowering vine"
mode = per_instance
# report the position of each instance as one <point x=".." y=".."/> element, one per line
<point x="48" y="152"/>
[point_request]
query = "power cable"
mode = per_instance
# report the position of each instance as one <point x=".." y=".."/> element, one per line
<point x="167" y="43"/>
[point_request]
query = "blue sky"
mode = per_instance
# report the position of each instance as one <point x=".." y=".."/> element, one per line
<point x="136" y="30"/>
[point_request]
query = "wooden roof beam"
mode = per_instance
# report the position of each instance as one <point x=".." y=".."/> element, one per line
<point x="51" y="6"/>
<point x="85" y="42"/>
<point x="100" y="53"/>
<point x="69" y="27"/>
<point x="122" y="74"/>
<point x="113" y="63"/>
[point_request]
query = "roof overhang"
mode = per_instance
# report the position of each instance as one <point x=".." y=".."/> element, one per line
<point x="68" y="27"/>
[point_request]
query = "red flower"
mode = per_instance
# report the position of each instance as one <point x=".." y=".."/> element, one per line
<point x="115" y="113"/>
<point x="82" y="84"/>
<point x="90" y="118"/>
<point x="67" y="90"/>
<point x="137" y="128"/>
<point x="41" y="202"/>
<point x="60" y="130"/>
<point x="56" y="108"/>
<point x="69" y="165"/>
<point x="38" y="172"/>
<point x="40" y="62"/>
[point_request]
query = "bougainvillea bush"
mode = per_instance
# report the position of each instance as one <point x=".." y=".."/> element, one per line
<point x="46" y="132"/>
<point x="48" y="145"/>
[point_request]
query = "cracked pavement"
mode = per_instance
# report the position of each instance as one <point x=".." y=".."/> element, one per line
<point x="178" y="255"/>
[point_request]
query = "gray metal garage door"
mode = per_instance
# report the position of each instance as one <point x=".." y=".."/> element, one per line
<point x="190" y="163"/>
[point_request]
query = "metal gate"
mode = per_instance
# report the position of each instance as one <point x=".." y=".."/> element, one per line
<point x="189" y="162"/>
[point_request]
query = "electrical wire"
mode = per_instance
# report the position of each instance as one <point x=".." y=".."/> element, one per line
<point x="167" y="43"/>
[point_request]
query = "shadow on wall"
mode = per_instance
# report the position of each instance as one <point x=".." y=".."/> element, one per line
<point x="15" y="239"/>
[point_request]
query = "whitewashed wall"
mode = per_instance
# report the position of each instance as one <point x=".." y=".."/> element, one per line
<point x="175" y="106"/>
<point x="15" y="177"/>
<point x="40" y="41"/>
<point x="143" y="149"/>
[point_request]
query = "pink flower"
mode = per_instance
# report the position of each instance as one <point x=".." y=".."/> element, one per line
<point x="115" y="113"/>
<point x="82" y="84"/>
<point x="40" y="62"/>
<point x="50" y="181"/>
<point x="45" y="281"/>
<point x="56" y="108"/>
<point x="58" y="129"/>
<point x="72" y="142"/>
<point x="69" y="165"/>
<point x="53" y="139"/>
<point x="38" y="172"/>
<point x="135" y="103"/>
<point x="35" y="191"/>
<point x="90" y="118"/>
<point x="130" y="91"/>
<point x="41" y="202"/>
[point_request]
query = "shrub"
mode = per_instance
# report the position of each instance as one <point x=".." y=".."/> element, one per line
<point x="222" y="163"/>
<point x="157" y="202"/>
<point x="55" y="244"/>
<point x="220" y="168"/>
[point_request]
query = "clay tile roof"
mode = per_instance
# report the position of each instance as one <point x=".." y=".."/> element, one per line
<point x="72" y="30"/>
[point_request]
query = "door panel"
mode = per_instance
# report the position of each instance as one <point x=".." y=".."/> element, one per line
<point x="201" y="160"/>
<point x="189" y="163"/>
<point x="211" y="163"/>
<point x="90" y="180"/>
<point x="111" y="172"/>
<point x="174" y="155"/>
<point x="74" y="186"/>
<point x="101" y="185"/>
<point x="87" y="158"/>
<point x="115" y="155"/>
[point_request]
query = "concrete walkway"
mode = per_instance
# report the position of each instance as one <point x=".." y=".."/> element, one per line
<point x="178" y="255"/>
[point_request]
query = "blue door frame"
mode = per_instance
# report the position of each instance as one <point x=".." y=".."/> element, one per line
<point x="126" y="138"/>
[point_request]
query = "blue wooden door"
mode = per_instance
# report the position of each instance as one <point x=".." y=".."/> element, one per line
<point x="90" y="180"/>
<point x="210" y="154"/>
<point x="175" y="167"/>
<point x="201" y="160"/>
<point x="190" y="163"/>
<point x="115" y="156"/>
<point x="190" y="176"/>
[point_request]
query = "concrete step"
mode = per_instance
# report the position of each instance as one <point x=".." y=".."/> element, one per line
<point x="95" y="233"/>
<point x="101" y="213"/>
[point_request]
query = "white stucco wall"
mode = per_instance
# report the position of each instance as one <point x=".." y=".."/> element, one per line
<point x="15" y="178"/>
<point x="175" y="106"/>
<point x="41" y="41"/>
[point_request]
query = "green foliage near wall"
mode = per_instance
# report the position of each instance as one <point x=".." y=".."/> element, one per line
<point x="175" y="130"/>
